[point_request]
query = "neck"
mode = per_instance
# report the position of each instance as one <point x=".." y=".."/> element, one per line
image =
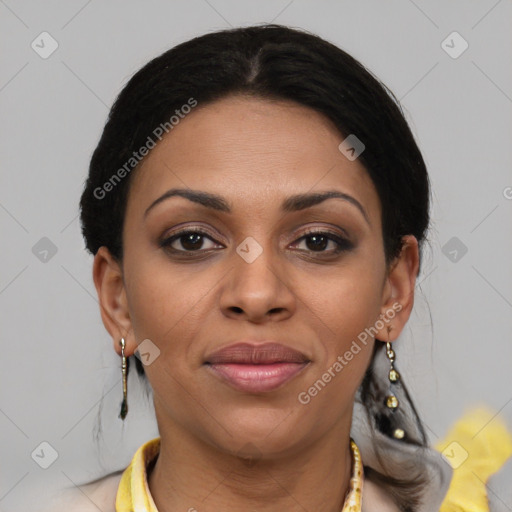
<point x="191" y="475"/>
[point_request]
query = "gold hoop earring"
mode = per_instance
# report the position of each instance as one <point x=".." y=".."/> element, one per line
<point x="394" y="377"/>
<point x="124" y="371"/>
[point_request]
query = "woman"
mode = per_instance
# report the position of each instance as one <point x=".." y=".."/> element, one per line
<point x="256" y="208"/>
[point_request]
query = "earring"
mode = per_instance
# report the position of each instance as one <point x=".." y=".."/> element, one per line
<point x="394" y="377"/>
<point x="124" y="371"/>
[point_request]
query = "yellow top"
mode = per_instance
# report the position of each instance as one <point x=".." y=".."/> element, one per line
<point x="133" y="493"/>
<point x="476" y="448"/>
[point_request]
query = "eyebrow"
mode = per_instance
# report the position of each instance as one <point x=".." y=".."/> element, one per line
<point x="291" y="204"/>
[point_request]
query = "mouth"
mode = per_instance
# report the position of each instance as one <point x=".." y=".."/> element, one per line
<point x="256" y="368"/>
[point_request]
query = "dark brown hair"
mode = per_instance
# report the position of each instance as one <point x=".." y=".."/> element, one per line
<point x="275" y="62"/>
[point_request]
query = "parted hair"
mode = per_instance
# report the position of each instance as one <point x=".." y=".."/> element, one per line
<point x="271" y="62"/>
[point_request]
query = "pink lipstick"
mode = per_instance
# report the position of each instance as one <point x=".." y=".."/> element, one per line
<point x="256" y="368"/>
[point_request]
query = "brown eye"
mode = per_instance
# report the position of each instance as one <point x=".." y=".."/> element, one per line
<point x="319" y="241"/>
<point x="187" y="241"/>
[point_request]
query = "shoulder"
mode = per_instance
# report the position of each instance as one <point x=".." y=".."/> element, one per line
<point x="374" y="498"/>
<point x="91" y="497"/>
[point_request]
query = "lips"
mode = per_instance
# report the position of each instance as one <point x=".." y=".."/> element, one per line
<point x="256" y="368"/>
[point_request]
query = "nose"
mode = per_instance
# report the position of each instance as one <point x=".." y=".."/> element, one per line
<point x="258" y="291"/>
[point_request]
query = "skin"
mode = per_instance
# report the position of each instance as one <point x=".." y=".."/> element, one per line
<point x="255" y="153"/>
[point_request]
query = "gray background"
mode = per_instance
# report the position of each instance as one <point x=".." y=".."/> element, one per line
<point x="57" y="360"/>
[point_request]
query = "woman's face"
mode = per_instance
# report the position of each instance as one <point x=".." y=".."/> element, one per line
<point x="267" y="262"/>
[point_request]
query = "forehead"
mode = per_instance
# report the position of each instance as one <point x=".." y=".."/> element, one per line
<point x="253" y="151"/>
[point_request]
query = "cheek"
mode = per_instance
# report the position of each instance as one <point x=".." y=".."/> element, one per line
<point x="165" y="306"/>
<point x="347" y="304"/>
<point x="329" y="392"/>
<point x="330" y="397"/>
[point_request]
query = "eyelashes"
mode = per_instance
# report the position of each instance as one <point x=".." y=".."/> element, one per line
<point x="192" y="242"/>
<point x="341" y="243"/>
<point x="193" y="236"/>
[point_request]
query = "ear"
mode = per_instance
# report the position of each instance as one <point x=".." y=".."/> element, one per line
<point x="108" y="279"/>
<point x="398" y="290"/>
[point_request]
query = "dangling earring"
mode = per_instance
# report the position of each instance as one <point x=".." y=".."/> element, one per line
<point x="394" y="377"/>
<point x="124" y="371"/>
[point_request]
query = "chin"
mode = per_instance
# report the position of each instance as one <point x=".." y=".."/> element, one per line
<point x="262" y="432"/>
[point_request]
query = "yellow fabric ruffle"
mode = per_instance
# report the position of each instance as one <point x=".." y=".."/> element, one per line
<point x="133" y="493"/>
<point x="476" y="447"/>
